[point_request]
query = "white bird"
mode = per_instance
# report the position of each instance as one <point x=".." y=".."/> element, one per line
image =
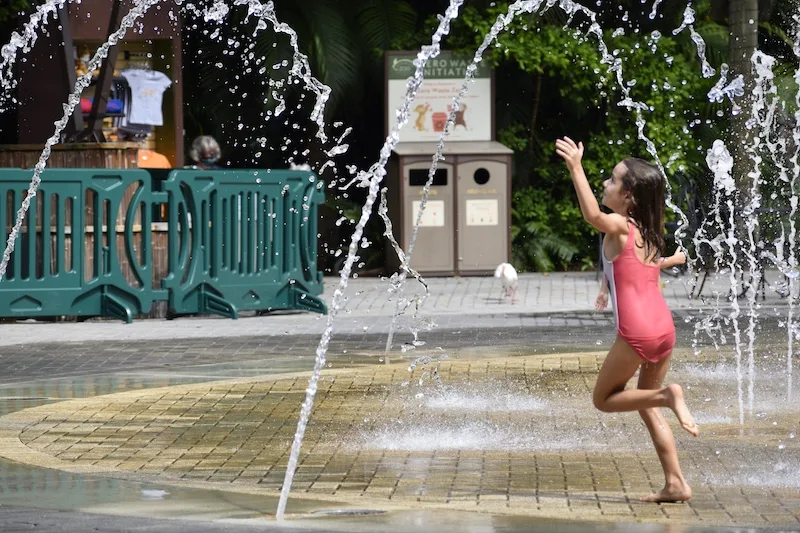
<point x="508" y="277"/>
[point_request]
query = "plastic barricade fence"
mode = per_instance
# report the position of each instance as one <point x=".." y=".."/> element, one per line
<point x="67" y="255"/>
<point x="243" y="240"/>
<point x="236" y="240"/>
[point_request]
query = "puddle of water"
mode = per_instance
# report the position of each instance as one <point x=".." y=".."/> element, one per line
<point x="65" y="388"/>
<point x="454" y="521"/>
<point x="347" y="512"/>
<point x="25" y="486"/>
<point x="17" y="396"/>
<point x="21" y="485"/>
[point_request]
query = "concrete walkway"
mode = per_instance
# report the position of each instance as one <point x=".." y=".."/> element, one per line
<point x="461" y="302"/>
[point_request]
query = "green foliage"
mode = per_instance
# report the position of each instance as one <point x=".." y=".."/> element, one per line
<point x="11" y="9"/>
<point x="550" y="82"/>
<point x="534" y="243"/>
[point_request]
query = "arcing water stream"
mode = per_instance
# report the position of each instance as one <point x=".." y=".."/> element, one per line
<point x="24" y="42"/>
<point x="372" y="179"/>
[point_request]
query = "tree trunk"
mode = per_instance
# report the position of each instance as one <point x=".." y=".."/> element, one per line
<point x="743" y="28"/>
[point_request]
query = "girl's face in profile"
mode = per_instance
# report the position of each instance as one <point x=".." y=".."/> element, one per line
<point x="614" y="197"/>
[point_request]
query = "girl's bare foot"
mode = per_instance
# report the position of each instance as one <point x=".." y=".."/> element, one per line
<point x="677" y="493"/>
<point x="676" y="403"/>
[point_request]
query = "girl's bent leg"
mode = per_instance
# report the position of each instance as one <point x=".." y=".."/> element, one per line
<point x="675" y="487"/>
<point x="620" y="365"/>
<point x="610" y="394"/>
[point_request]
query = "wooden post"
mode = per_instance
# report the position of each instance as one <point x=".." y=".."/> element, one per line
<point x="69" y="59"/>
<point x="94" y="127"/>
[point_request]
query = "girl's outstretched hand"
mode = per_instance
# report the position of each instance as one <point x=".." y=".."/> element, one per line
<point x="570" y="152"/>
<point x="679" y="258"/>
<point x="602" y="301"/>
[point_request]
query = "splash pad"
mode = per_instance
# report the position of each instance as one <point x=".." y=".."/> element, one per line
<point x="726" y="315"/>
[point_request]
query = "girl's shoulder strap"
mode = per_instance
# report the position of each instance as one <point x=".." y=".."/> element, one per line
<point x="631" y="233"/>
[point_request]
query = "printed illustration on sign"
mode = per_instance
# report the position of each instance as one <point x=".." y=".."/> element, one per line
<point x="444" y="78"/>
<point x="482" y="213"/>
<point x="433" y="216"/>
<point x="421" y="111"/>
<point x="459" y="118"/>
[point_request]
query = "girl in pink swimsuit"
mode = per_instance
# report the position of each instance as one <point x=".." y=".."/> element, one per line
<point x="632" y="260"/>
<point x="640" y="311"/>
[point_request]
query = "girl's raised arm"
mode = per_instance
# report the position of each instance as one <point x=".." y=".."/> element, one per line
<point x="572" y="154"/>
<point x="678" y="258"/>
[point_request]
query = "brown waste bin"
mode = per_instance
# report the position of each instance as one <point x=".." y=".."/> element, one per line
<point x="466" y="225"/>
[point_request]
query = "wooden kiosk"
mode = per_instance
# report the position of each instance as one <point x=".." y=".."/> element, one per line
<point x="47" y="76"/>
<point x="48" y="73"/>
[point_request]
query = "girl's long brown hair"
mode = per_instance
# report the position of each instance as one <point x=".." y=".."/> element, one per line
<point x="646" y="184"/>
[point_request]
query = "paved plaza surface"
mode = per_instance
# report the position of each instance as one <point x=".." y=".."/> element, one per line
<point x="486" y="424"/>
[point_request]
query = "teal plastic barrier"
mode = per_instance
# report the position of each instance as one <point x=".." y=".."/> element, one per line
<point x="237" y="240"/>
<point x="243" y="240"/>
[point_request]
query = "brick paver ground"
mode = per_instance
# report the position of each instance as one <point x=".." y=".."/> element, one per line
<point x="507" y="435"/>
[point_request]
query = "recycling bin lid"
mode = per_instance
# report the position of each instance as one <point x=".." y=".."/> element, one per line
<point x="452" y="148"/>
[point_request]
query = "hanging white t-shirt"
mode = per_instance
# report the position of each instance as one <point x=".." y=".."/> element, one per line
<point x="147" y="90"/>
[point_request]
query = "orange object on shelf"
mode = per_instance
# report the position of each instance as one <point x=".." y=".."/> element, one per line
<point x="151" y="159"/>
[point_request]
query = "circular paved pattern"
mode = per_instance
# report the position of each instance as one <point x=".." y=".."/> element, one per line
<point x="506" y="435"/>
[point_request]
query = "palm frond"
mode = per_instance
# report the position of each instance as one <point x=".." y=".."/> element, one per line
<point x="380" y="21"/>
<point x="541" y="260"/>
<point x="534" y="243"/>
<point x="775" y="31"/>
<point x="787" y="86"/>
<point x="330" y="45"/>
<point x="558" y="247"/>
<point x="531" y="253"/>
<point x="716" y="39"/>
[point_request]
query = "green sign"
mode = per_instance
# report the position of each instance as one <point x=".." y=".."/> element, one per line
<point x="443" y="66"/>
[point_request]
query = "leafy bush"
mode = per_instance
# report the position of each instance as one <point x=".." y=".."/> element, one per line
<point x="534" y="243"/>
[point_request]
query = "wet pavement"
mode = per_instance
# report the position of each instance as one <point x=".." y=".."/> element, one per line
<point x="136" y="428"/>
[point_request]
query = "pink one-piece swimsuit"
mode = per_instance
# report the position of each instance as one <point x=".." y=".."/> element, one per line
<point x="641" y="313"/>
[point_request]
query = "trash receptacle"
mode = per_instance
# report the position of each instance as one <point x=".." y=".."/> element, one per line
<point x="465" y="228"/>
<point x="435" y="247"/>
<point x="484" y="214"/>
